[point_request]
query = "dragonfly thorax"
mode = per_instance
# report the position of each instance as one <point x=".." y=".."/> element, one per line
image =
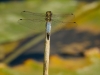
<point x="48" y="16"/>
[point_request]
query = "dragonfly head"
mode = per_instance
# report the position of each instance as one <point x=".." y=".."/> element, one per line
<point x="48" y="13"/>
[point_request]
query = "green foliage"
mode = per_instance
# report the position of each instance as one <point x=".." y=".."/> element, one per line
<point x="9" y="71"/>
<point x="34" y="68"/>
<point x="94" y="69"/>
<point x="61" y="71"/>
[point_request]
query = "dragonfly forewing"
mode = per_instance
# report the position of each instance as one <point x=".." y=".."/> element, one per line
<point x="31" y="15"/>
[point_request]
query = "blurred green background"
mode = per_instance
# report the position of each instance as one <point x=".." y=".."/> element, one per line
<point x="74" y="51"/>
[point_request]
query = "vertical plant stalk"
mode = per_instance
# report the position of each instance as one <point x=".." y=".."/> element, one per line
<point x="46" y="55"/>
<point x="47" y="43"/>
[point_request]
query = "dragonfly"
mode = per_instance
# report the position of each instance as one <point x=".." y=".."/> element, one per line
<point x="38" y="22"/>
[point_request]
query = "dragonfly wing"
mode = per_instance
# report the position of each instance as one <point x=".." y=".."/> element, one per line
<point x="34" y="25"/>
<point x="60" y="20"/>
<point x="31" y="15"/>
<point x="62" y="16"/>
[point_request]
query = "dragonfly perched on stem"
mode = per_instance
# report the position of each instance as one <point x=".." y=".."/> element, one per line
<point x="39" y="21"/>
<point x="36" y="21"/>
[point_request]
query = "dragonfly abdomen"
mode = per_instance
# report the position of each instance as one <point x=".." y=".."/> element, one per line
<point x="48" y="27"/>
